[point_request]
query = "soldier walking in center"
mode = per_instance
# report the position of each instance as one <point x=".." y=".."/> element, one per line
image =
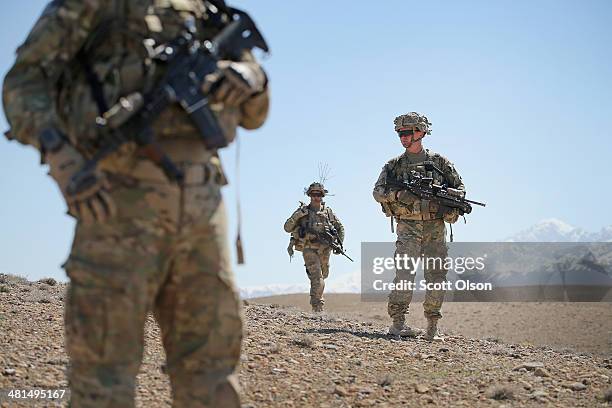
<point x="143" y="242"/>
<point x="304" y="225"/>
<point x="420" y="223"/>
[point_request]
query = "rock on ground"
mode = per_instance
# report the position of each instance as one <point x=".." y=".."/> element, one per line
<point x="293" y="358"/>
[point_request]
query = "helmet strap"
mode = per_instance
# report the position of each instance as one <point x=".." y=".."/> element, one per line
<point x="413" y="141"/>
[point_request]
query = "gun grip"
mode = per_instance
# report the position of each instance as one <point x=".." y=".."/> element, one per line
<point x="210" y="130"/>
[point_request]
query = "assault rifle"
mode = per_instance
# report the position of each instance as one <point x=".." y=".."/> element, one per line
<point x="424" y="188"/>
<point x="186" y="61"/>
<point x="330" y="238"/>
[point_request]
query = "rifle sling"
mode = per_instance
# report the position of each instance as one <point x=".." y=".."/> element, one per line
<point x="117" y="17"/>
<point x="95" y="86"/>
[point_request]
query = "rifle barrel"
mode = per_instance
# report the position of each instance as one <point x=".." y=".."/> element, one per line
<point x="476" y="202"/>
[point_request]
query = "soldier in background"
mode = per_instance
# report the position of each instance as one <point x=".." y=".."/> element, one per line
<point x="420" y="224"/>
<point x="304" y="224"/>
<point x="142" y="243"/>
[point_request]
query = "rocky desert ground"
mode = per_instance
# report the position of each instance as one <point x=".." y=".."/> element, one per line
<point x="341" y="358"/>
<point x="582" y="327"/>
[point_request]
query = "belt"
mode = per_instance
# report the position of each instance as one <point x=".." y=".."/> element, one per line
<point x="195" y="173"/>
<point x="418" y="217"/>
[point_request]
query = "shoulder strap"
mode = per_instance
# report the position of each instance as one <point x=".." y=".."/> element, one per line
<point x="430" y="155"/>
<point x="117" y="16"/>
<point x="439" y="162"/>
<point x="329" y="213"/>
<point x="392" y="164"/>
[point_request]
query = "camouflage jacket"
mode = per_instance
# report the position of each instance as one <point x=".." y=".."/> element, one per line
<point x="48" y="87"/>
<point x="305" y="218"/>
<point x="400" y="169"/>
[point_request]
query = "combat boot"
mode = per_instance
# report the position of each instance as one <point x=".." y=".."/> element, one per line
<point x="317" y="308"/>
<point x="431" y="334"/>
<point x="399" y="328"/>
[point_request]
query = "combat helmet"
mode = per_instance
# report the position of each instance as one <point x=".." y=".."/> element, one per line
<point x="413" y="119"/>
<point x="315" y="187"/>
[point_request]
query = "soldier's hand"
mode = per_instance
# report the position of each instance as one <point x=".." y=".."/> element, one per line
<point x="93" y="202"/>
<point x="237" y="82"/>
<point x="300" y="212"/>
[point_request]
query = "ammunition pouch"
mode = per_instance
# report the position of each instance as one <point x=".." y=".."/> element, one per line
<point x="298" y="243"/>
<point x="418" y="210"/>
<point x="451" y="217"/>
<point x="386" y="209"/>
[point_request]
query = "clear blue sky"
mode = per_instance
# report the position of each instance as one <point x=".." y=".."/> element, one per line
<point x="518" y="93"/>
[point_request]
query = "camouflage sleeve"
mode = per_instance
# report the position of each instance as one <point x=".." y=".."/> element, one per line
<point x="29" y="90"/>
<point x="337" y="225"/>
<point x="451" y="174"/>
<point x="381" y="193"/>
<point x="292" y="221"/>
<point x="255" y="110"/>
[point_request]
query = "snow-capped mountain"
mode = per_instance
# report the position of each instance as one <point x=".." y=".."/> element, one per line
<point x="548" y="230"/>
<point x="605" y="235"/>
<point x="554" y="230"/>
<point x="348" y="283"/>
<point x="273" y="289"/>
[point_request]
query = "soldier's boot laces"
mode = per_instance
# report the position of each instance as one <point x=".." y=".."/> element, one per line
<point x="431" y="334"/>
<point x="399" y="328"/>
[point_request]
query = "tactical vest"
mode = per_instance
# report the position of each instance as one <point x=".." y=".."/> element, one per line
<point x="316" y="220"/>
<point x="400" y="169"/>
<point x="117" y="57"/>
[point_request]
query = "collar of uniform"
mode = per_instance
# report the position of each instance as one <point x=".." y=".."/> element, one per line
<point x="320" y="208"/>
<point x="415" y="157"/>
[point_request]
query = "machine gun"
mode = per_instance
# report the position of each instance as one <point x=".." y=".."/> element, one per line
<point x="424" y="188"/>
<point x="330" y="238"/>
<point x="187" y="62"/>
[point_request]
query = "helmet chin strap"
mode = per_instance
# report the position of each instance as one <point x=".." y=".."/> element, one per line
<point x="413" y="141"/>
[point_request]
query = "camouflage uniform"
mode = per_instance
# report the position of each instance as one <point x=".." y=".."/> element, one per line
<point x="420" y="226"/>
<point x="316" y="254"/>
<point x="165" y="249"/>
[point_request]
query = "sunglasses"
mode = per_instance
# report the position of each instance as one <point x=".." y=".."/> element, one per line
<point x="408" y="132"/>
<point x="316" y="195"/>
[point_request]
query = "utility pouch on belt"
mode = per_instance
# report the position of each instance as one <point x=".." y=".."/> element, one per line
<point x="297" y="241"/>
<point x="386" y="209"/>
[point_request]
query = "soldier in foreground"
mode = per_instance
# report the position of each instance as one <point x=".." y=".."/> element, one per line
<point x="151" y="224"/>
<point x="420" y="223"/>
<point x="307" y="226"/>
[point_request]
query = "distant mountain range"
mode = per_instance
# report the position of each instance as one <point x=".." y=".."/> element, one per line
<point x="548" y="230"/>
<point x="348" y="283"/>
<point x="554" y="230"/>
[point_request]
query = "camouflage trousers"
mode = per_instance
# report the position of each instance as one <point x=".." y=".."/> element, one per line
<point x="165" y="253"/>
<point x="316" y="261"/>
<point x="415" y="239"/>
